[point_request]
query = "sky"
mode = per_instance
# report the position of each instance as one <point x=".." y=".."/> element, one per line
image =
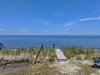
<point x="49" y="17"/>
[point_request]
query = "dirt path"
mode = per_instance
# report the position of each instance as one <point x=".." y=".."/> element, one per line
<point x="76" y="68"/>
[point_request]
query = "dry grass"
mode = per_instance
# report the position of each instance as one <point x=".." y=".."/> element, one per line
<point x="44" y="67"/>
<point x="74" y="51"/>
<point x="37" y="69"/>
<point x="34" y="69"/>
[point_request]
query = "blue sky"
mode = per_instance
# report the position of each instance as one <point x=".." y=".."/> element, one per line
<point x="49" y="17"/>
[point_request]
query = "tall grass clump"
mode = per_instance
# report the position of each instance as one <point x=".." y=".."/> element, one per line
<point x="73" y="51"/>
<point x="52" y="54"/>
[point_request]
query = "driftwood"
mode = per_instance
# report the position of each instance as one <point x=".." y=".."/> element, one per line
<point x="13" y="62"/>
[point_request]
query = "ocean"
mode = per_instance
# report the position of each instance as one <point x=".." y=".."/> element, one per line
<point x="47" y="41"/>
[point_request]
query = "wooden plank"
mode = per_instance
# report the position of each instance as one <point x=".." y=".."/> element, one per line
<point x="60" y="55"/>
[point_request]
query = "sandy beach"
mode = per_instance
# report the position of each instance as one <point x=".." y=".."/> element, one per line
<point x="75" y="64"/>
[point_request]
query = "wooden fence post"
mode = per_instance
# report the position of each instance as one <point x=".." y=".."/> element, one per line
<point x="38" y="53"/>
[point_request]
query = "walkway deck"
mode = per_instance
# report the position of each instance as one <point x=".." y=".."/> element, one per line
<point x="60" y="55"/>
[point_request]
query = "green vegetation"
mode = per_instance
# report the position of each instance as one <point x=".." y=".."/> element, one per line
<point x="31" y="52"/>
<point x="73" y="51"/>
<point x="28" y="53"/>
<point x="47" y="55"/>
<point x="13" y="51"/>
<point x="52" y="54"/>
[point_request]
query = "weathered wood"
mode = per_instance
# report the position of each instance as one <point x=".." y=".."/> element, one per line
<point x="13" y="62"/>
<point x="60" y="55"/>
<point x="38" y="53"/>
<point x="5" y="65"/>
<point x="2" y="46"/>
<point x="54" y="45"/>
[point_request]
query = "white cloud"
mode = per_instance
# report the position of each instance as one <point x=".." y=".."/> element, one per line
<point x="62" y="32"/>
<point x="46" y="31"/>
<point x="70" y="24"/>
<point x="2" y="30"/>
<point x="90" y="19"/>
<point x="46" y="22"/>
<point x="59" y="13"/>
<point x="23" y="30"/>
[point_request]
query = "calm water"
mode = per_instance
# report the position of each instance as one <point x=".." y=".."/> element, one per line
<point x="36" y="41"/>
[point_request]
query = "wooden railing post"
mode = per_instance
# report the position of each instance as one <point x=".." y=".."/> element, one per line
<point x="2" y="46"/>
<point x="54" y="45"/>
<point x="38" y="53"/>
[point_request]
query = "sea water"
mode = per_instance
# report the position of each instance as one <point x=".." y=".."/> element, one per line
<point x="60" y="41"/>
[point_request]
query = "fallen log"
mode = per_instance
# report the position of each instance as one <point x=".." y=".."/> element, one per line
<point x="5" y="63"/>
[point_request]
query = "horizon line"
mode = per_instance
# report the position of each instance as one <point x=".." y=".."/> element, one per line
<point x="49" y="35"/>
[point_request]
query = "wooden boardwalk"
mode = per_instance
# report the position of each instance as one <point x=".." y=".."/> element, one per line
<point x="60" y="55"/>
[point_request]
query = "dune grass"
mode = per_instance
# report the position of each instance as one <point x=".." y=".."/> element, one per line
<point x="44" y="69"/>
<point x="45" y="52"/>
<point x="29" y="52"/>
<point x="73" y="51"/>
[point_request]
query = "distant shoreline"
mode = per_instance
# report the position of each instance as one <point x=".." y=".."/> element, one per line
<point x="55" y="35"/>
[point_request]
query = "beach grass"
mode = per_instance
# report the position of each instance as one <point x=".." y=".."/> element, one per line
<point x="23" y="54"/>
<point x="45" y="52"/>
<point x="73" y="51"/>
<point x="44" y="69"/>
